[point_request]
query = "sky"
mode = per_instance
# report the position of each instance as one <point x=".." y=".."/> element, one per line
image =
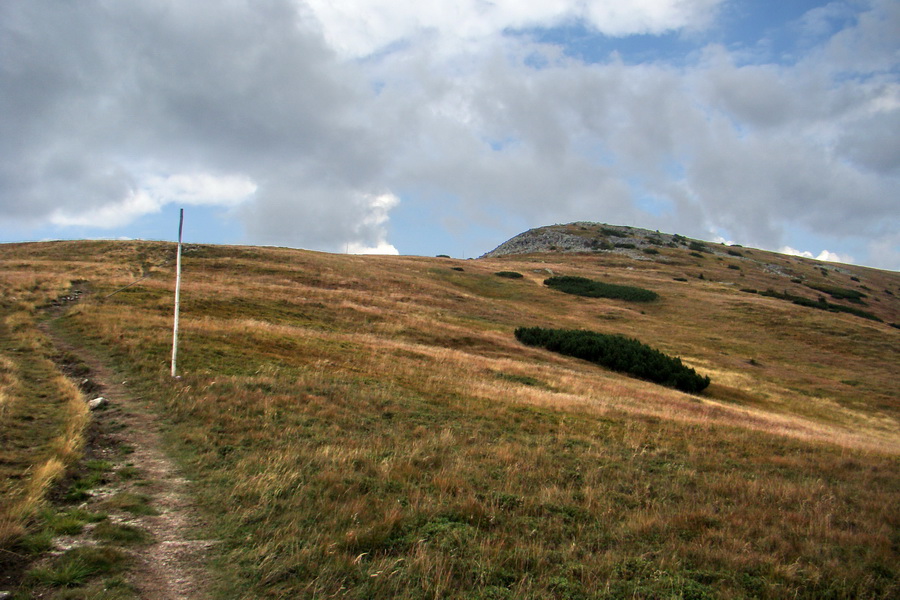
<point x="447" y="127"/>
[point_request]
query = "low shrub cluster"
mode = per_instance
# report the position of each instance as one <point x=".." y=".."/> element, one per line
<point x="698" y="247"/>
<point x="821" y="304"/>
<point x="582" y="286"/>
<point x="839" y="293"/>
<point x="509" y="274"/>
<point x="617" y="352"/>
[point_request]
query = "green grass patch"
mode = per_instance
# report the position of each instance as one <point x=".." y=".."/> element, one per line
<point x="128" y="473"/>
<point x="35" y="543"/>
<point x="75" y="567"/>
<point x="521" y="379"/>
<point x="93" y="474"/>
<point x="121" y="533"/>
<point x="136" y="504"/>
<point x="69" y="522"/>
<point x="590" y="288"/>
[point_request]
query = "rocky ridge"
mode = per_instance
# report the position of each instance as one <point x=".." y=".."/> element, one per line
<point x="586" y="236"/>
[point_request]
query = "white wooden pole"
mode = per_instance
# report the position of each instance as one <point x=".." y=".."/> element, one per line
<point x="177" y="293"/>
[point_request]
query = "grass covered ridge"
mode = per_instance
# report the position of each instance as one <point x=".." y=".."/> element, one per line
<point x="369" y="427"/>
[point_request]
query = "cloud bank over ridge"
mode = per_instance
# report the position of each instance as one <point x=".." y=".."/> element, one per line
<point x="323" y="124"/>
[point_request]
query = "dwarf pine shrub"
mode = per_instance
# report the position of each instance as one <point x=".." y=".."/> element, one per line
<point x="698" y="247"/>
<point x="582" y="286"/>
<point x="617" y="352"/>
<point x="821" y="304"/>
<point x="839" y="293"/>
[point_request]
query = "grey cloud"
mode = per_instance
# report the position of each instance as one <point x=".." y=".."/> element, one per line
<point x="873" y="142"/>
<point x="750" y="150"/>
<point x="326" y="217"/>
<point x="98" y="94"/>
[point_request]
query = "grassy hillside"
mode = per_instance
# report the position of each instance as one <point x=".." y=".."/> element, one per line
<point x="369" y="427"/>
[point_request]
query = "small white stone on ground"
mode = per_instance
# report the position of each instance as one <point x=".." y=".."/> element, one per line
<point x="97" y="403"/>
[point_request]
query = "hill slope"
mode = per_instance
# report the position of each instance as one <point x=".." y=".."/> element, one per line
<point x="370" y="427"/>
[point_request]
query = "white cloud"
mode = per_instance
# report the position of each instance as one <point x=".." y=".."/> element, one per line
<point x="201" y="189"/>
<point x="825" y="255"/>
<point x="373" y="226"/>
<point x="137" y="204"/>
<point x="381" y="248"/>
<point x="359" y="28"/>
<point x="154" y="193"/>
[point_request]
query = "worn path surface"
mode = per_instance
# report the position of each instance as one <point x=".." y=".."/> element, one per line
<point x="127" y="435"/>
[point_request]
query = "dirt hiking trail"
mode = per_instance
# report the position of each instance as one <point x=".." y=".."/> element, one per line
<point x="153" y="497"/>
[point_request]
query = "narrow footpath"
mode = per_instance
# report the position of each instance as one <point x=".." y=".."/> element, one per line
<point x="143" y="491"/>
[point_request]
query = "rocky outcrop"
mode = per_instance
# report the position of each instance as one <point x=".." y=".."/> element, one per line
<point x="584" y="237"/>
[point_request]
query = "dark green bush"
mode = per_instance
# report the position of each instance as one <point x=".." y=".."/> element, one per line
<point x="839" y="293"/>
<point x="601" y="244"/>
<point x="616" y="352"/>
<point x="821" y="304"/>
<point x="582" y="286"/>
<point x="626" y="245"/>
<point x="650" y="251"/>
<point x="509" y="274"/>
<point x="698" y="247"/>
<point x="734" y="253"/>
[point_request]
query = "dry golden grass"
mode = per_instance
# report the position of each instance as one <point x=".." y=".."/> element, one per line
<point x="42" y="414"/>
<point x="369" y="427"/>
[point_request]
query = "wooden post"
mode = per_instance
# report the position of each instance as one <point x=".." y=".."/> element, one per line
<point x="177" y="293"/>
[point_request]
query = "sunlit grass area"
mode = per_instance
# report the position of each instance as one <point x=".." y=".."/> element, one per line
<point x="42" y="413"/>
<point x="369" y="427"/>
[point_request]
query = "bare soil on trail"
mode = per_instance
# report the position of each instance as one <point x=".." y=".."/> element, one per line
<point x="127" y="435"/>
